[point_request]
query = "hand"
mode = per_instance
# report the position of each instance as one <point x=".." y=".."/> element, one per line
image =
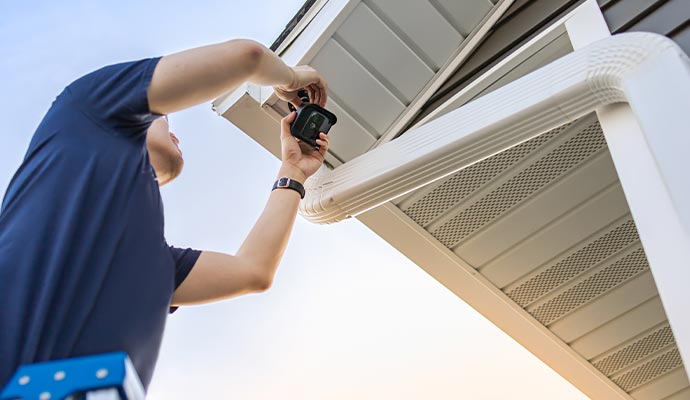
<point x="308" y="78"/>
<point x="298" y="156"/>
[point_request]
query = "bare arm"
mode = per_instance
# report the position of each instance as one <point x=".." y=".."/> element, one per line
<point x="191" y="77"/>
<point x="217" y="276"/>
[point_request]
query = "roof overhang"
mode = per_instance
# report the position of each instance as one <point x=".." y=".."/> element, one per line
<point x="638" y="86"/>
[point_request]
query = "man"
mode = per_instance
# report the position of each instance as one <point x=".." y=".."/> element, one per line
<point x="84" y="265"/>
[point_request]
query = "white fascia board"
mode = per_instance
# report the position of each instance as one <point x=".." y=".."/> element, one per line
<point x="242" y="108"/>
<point x="223" y="104"/>
<point x="585" y="25"/>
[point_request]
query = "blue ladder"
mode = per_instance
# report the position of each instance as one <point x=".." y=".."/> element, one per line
<point x="102" y="377"/>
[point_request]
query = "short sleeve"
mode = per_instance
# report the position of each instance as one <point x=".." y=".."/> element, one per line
<point x="115" y="96"/>
<point x="184" y="262"/>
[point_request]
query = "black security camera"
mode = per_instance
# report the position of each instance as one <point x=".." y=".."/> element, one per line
<point x="310" y="120"/>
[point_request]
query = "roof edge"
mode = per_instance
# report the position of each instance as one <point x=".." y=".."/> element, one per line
<point x="292" y="24"/>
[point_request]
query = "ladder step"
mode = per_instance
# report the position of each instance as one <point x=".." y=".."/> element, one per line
<point x="101" y="377"/>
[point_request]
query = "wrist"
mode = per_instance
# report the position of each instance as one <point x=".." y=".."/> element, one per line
<point x="293" y="77"/>
<point x="288" y="82"/>
<point x="292" y="172"/>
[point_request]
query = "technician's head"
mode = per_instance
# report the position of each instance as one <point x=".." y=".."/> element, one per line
<point x="164" y="152"/>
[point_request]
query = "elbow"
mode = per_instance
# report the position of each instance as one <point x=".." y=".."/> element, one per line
<point x="249" y="52"/>
<point x="261" y="282"/>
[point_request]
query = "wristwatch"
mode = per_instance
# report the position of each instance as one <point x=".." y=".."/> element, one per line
<point x="287" y="183"/>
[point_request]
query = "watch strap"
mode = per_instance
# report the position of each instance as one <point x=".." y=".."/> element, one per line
<point x="288" y="183"/>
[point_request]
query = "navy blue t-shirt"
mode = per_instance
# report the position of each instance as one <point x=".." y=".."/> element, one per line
<point x="84" y="265"/>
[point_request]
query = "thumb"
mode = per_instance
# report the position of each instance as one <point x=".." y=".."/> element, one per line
<point x="285" y="125"/>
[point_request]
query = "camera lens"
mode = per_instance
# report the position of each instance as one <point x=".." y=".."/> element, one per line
<point x="313" y="125"/>
<point x="317" y="118"/>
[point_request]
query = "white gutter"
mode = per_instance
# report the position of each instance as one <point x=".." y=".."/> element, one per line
<point x="637" y="68"/>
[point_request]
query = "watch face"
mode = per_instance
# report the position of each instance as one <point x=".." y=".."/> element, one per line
<point x="287" y="183"/>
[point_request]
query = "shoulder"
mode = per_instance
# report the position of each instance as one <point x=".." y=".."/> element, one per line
<point x="115" y="96"/>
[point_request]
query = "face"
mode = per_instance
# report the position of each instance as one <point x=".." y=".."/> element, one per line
<point x="164" y="151"/>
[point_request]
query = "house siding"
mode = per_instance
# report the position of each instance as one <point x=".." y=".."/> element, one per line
<point x="526" y="18"/>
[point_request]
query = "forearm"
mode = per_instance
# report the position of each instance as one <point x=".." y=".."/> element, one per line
<point x="217" y="276"/>
<point x="264" y="246"/>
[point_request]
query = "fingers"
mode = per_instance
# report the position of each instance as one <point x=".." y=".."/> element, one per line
<point x="310" y="92"/>
<point x="317" y="93"/>
<point x="313" y="82"/>
<point x="313" y="94"/>
<point x="323" y="143"/>
<point x="320" y="88"/>
<point x="285" y="125"/>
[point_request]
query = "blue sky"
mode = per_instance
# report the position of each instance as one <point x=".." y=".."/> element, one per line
<point x="348" y="316"/>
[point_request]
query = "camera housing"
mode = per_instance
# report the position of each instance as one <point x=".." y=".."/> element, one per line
<point x="310" y="120"/>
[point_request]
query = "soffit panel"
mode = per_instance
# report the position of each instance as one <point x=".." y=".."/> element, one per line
<point x="674" y="384"/>
<point x="464" y="14"/>
<point x="350" y="83"/>
<point x="421" y="26"/>
<point x="547" y="223"/>
<point x="348" y="138"/>
<point x="681" y="395"/>
<point x="383" y="55"/>
<point x="621" y="329"/>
